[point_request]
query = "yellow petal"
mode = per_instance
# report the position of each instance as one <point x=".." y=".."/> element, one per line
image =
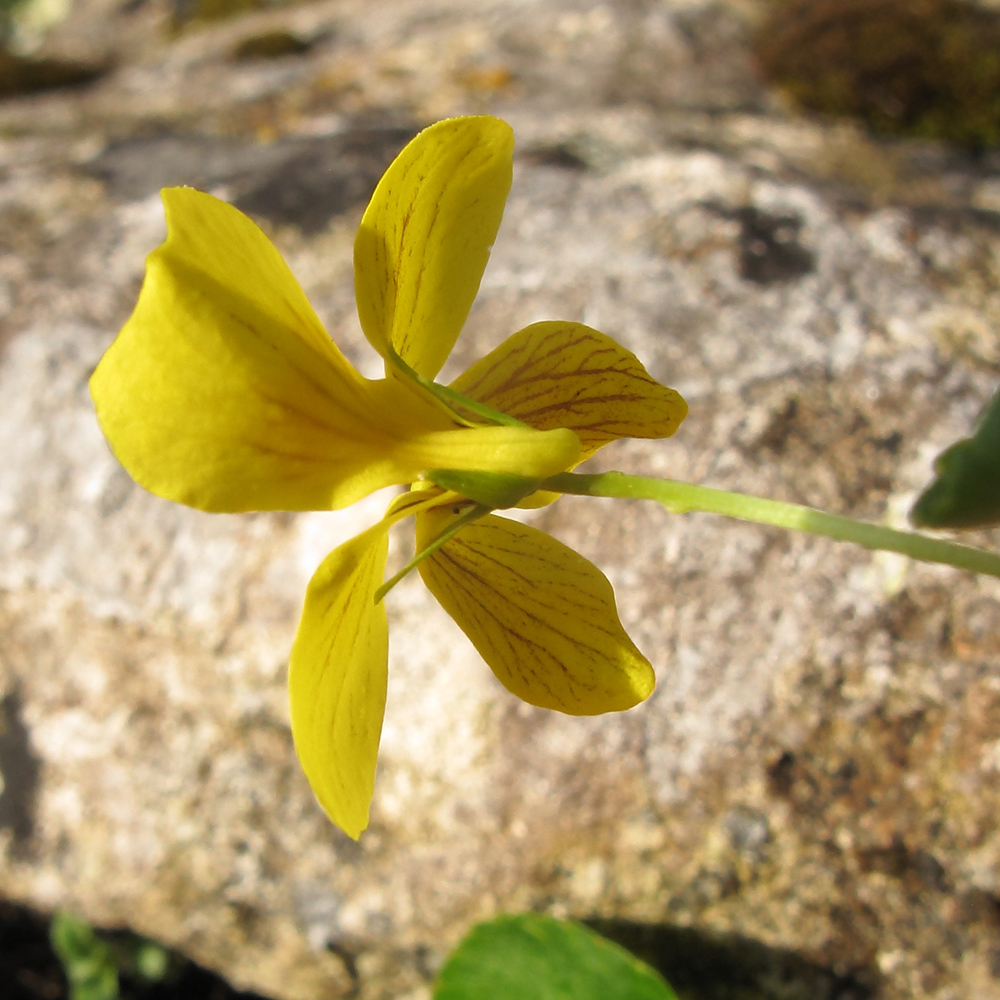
<point x="337" y="678"/>
<point x="561" y="374"/>
<point x="518" y="451"/>
<point x="426" y="236"/>
<point x="224" y="392"/>
<point x="541" y="615"/>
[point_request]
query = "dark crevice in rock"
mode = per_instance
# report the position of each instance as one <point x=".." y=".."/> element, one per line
<point x="29" y="75"/>
<point x="563" y="155"/>
<point x="899" y="861"/>
<point x="19" y="768"/>
<point x="770" y="251"/>
<point x="278" y="44"/>
<point x="350" y="961"/>
<point x="701" y="965"/>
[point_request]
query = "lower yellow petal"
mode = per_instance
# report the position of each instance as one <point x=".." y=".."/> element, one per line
<point x="540" y="615"/>
<point x="337" y="678"/>
<point x="561" y="374"/>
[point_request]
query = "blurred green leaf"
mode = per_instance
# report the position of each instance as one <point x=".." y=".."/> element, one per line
<point x="966" y="492"/>
<point x="150" y="961"/>
<point x="531" y="957"/>
<point x="89" y="965"/>
<point x="7" y="8"/>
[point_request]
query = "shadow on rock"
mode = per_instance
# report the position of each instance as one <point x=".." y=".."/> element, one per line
<point x="700" y="965"/>
<point x="30" y="969"/>
<point x="297" y="182"/>
<point x="324" y="178"/>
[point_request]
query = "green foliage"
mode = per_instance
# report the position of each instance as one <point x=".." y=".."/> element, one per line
<point x="7" y="8"/>
<point x="923" y="68"/>
<point x="531" y="957"/>
<point x="93" y="961"/>
<point x="966" y="492"/>
<point x="89" y="964"/>
<point x="147" y="960"/>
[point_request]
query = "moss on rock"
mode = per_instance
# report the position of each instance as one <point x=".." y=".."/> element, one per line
<point x="921" y="68"/>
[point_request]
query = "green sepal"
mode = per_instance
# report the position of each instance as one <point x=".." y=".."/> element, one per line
<point x="966" y="492"/>
<point x="493" y="489"/>
<point x="472" y="514"/>
<point x="451" y="400"/>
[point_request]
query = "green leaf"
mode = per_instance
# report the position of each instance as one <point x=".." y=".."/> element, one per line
<point x="531" y="957"/>
<point x="87" y="960"/>
<point x="151" y="960"/>
<point x="966" y="493"/>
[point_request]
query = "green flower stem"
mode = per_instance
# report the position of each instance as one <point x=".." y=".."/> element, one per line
<point x="681" y="498"/>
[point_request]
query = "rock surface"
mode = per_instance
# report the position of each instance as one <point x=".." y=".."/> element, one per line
<point x="818" y="772"/>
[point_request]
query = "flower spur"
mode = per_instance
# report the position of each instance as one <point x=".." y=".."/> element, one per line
<point x="224" y="392"/>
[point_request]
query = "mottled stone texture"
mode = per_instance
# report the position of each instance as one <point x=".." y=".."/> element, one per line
<point x="818" y="772"/>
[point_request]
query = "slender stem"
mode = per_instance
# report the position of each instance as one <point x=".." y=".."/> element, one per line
<point x="680" y="498"/>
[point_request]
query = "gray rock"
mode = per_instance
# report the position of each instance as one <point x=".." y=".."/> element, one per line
<point x="818" y="771"/>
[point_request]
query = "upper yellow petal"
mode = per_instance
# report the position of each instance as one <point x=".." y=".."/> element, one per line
<point x="426" y="236"/>
<point x="224" y="392"/>
<point x="541" y="615"/>
<point x="562" y="374"/>
<point x="337" y="678"/>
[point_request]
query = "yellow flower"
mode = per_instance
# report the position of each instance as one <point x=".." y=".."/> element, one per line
<point x="224" y="392"/>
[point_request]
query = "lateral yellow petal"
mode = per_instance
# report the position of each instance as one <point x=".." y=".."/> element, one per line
<point x="426" y="236"/>
<point x="561" y="374"/>
<point x="224" y="392"/>
<point x="337" y="678"/>
<point x="542" y="616"/>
